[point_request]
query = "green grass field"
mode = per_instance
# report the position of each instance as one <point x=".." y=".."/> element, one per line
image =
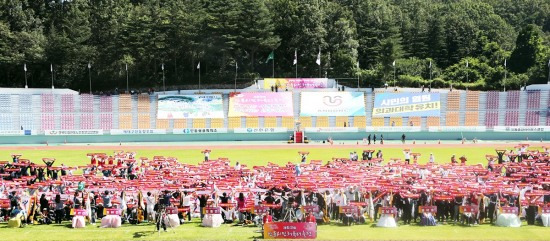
<point x="193" y="231"/>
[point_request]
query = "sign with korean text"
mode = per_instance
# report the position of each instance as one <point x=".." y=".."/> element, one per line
<point x="261" y="104"/>
<point x="137" y="131"/>
<point x="406" y="104"/>
<point x="191" y="131"/>
<point x="73" y="132"/>
<point x="261" y="130"/>
<point x="521" y="128"/>
<point x="212" y="210"/>
<point x="285" y="230"/>
<point x="295" y="83"/>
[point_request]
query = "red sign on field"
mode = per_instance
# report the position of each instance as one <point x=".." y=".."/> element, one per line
<point x="284" y="230"/>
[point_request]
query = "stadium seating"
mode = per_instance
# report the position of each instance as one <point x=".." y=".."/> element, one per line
<point x="180" y="123"/>
<point x="288" y="122"/>
<point x="548" y="118"/>
<point x="432" y="121"/>
<point x="67" y="103"/>
<point x="377" y="121"/>
<point x="512" y="99"/>
<point x="87" y="103"/>
<point x="492" y="100"/>
<point x="305" y="121"/>
<point x="199" y="123"/>
<point x="5" y="103"/>
<point x="26" y="121"/>
<point x="106" y="121"/>
<point x="144" y="121"/>
<point x="396" y="121"/>
<point x="47" y="103"/>
<point x="144" y="103"/>
<point x="6" y="122"/>
<point x="452" y="119"/>
<point x="162" y="124"/>
<point x="322" y="121"/>
<point x="125" y="121"/>
<point x="414" y="120"/>
<point x="341" y="121"/>
<point x="511" y="118"/>
<point x="48" y="122"/>
<point x="124" y="103"/>
<point x="533" y="99"/>
<point x="216" y="123"/>
<point x="252" y="122"/>
<point x="453" y="101"/>
<point x="491" y="119"/>
<point x="270" y="121"/>
<point x="25" y="104"/>
<point x="86" y="121"/>
<point x="234" y="122"/>
<point x="67" y="121"/>
<point x="360" y="121"/>
<point x="472" y="100"/>
<point x="532" y="118"/>
<point x="472" y="118"/>
<point x="105" y="104"/>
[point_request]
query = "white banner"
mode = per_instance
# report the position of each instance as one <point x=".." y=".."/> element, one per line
<point x="457" y="128"/>
<point x="393" y="128"/>
<point x="189" y="106"/>
<point x="261" y="130"/>
<point x="332" y="104"/>
<point x="12" y="133"/>
<point x="190" y="131"/>
<point x="331" y="129"/>
<point x="521" y="128"/>
<point x="73" y="132"/>
<point x="137" y="131"/>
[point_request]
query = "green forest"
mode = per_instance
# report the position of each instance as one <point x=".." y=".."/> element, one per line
<point x="474" y="44"/>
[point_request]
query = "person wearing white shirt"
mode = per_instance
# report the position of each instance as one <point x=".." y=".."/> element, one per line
<point x="150" y="199"/>
<point x="187" y="204"/>
<point x="237" y="166"/>
<point x="432" y="158"/>
<point x="338" y="200"/>
<point x="407" y="156"/>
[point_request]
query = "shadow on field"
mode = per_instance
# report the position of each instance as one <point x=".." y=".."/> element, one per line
<point x="143" y="234"/>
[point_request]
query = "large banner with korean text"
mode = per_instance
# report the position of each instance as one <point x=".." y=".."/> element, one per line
<point x="295" y="83"/>
<point x="190" y="106"/>
<point x="332" y="104"/>
<point x="406" y="104"/>
<point x="287" y="230"/>
<point x="260" y="104"/>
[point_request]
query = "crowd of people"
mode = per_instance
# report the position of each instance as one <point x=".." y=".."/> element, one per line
<point x="347" y="190"/>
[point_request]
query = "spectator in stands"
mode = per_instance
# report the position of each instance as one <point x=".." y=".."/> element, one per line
<point x="297" y="170"/>
<point x="44" y="203"/>
<point x="272" y="88"/>
<point x="386" y="85"/>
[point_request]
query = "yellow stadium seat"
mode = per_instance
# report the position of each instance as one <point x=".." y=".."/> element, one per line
<point x="342" y="121"/>
<point x="396" y="121"/>
<point x="216" y="123"/>
<point x="377" y="121"/>
<point x="451" y="119"/>
<point x="305" y="121"/>
<point x="199" y="123"/>
<point x="472" y="118"/>
<point x="252" y="122"/>
<point x="144" y="121"/>
<point x="234" y="122"/>
<point x="288" y="122"/>
<point x="322" y="121"/>
<point x="125" y="121"/>
<point x="270" y="121"/>
<point x="144" y="103"/>
<point x="162" y="124"/>
<point x="414" y="120"/>
<point x="432" y="121"/>
<point x="360" y="121"/>
<point x="124" y="103"/>
<point x="180" y="123"/>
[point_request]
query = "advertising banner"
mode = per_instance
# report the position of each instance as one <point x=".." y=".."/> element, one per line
<point x="393" y="128"/>
<point x="190" y="131"/>
<point x="189" y="106"/>
<point x="332" y="104"/>
<point x="331" y="129"/>
<point x="261" y="104"/>
<point x="137" y="131"/>
<point x="284" y="230"/>
<point x="457" y="128"/>
<point x="521" y="128"/>
<point x="295" y="83"/>
<point x="406" y="104"/>
<point x="261" y="130"/>
<point x="73" y="132"/>
<point x="14" y="132"/>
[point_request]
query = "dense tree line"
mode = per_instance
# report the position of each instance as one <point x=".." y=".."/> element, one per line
<point x="437" y="42"/>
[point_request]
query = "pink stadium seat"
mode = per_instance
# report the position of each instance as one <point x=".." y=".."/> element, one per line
<point x="87" y="103"/>
<point x="491" y="118"/>
<point x="106" y="121"/>
<point x="106" y="104"/>
<point x="47" y="103"/>
<point x="532" y="118"/>
<point x="492" y="100"/>
<point x="86" y="121"/>
<point x="533" y="99"/>
<point x="512" y="99"/>
<point x="67" y="103"/>
<point x="48" y="122"/>
<point x="511" y="118"/>
<point x="67" y="121"/>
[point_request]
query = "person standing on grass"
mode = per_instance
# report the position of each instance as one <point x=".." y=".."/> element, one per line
<point x="407" y="156"/>
<point x="432" y="158"/>
<point x="59" y="209"/>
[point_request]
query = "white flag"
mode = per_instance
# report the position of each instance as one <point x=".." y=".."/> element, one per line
<point x="430" y="64"/>
<point x="162" y="66"/>
<point x="89" y="66"/>
<point x="504" y="62"/>
<point x="318" y="61"/>
<point x="236" y="65"/>
<point x="393" y="64"/>
<point x="51" y="68"/>
<point x="358" y="64"/>
<point x="549" y="63"/>
<point x="199" y="65"/>
<point x="467" y="64"/>
<point x="126" y="67"/>
<point x="25" y="67"/>
<point x="295" y="58"/>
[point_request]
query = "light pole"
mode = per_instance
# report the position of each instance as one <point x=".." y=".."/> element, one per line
<point x="549" y="71"/>
<point x="505" y="75"/>
<point x="51" y="71"/>
<point x="25" y="69"/>
<point x="90" y="75"/>
<point x="430" y="74"/>
<point x="163" y="81"/>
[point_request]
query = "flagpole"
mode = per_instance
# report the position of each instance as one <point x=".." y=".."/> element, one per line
<point x="25" y="68"/>
<point x="358" y="72"/>
<point x="549" y="71"/>
<point x="163" y="80"/>
<point x="505" y="75"/>
<point x="236" y="69"/>
<point x="273" y="65"/>
<point x="51" y="70"/>
<point x="430" y="74"/>
<point x="320" y="75"/>
<point x="90" y="76"/>
<point x="199" y="77"/>
<point x="127" y="83"/>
